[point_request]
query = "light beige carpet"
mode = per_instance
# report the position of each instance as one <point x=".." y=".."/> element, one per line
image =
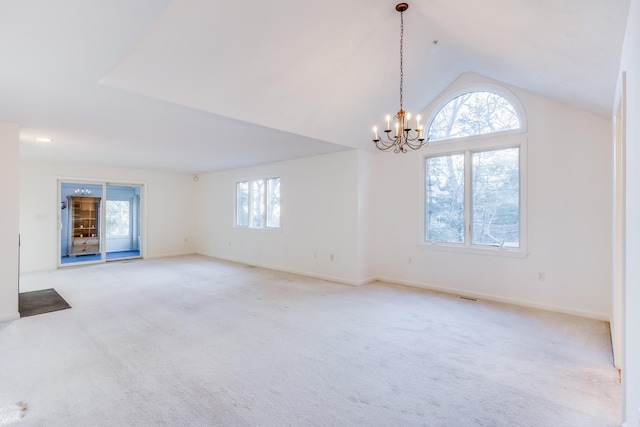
<point x="193" y="341"/>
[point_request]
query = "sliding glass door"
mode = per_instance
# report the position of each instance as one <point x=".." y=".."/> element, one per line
<point x="99" y="222"/>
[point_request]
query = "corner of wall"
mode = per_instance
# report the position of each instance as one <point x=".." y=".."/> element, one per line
<point x="9" y="221"/>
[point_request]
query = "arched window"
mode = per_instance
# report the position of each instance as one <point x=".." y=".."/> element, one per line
<point x="474" y="113"/>
<point x="473" y="187"/>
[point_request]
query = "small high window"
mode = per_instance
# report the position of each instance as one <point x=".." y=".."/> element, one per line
<point x="474" y="113"/>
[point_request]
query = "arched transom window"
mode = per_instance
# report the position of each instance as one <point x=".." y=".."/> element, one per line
<point x="474" y="113"/>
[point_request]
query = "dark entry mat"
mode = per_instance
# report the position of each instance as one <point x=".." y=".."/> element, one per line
<point x="38" y="302"/>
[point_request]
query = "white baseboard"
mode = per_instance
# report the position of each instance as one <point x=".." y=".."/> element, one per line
<point x="170" y="255"/>
<point x="497" y="298"/>
<point x="314" y="275"/>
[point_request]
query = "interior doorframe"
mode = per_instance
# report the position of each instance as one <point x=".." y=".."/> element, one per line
<point x="103" y="242"/>
<point x="619" y="225"/>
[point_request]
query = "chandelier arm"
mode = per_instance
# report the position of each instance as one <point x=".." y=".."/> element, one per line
<point x="414" y="146"/>
<point x="416" y="143"/>
<point x="414" y="138"/>
<point x="393" y="141"/>
<point x="384" y="147"/>
<point x="388" y="142"/>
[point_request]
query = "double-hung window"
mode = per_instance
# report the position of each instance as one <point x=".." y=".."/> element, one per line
<point x="473" y="193"/>
<point x="258" y="203"/>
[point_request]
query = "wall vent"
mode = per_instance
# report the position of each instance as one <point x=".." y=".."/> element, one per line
<point x="467" y="298"/>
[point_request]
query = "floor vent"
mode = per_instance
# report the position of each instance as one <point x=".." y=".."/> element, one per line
<point x="467" y="298"/>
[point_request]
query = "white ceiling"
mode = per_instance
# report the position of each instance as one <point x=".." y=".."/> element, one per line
<point x="203" y="85"/>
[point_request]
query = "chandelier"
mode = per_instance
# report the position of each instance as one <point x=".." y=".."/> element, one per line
<point x="404" y="138"/>
<point x="82" y="191"/>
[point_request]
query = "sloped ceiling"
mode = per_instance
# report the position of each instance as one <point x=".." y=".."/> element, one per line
<point x="203" y="85"/>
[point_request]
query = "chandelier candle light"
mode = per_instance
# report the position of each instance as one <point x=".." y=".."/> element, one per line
<point x="404" y="138"/>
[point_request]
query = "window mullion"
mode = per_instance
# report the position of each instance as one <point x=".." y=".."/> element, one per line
<point x="251" y="207"/>
<point x="264" y="203"/>
<point x="467" y="199"/>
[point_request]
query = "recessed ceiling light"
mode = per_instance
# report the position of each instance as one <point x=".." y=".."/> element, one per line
<point x="43" y="139"/>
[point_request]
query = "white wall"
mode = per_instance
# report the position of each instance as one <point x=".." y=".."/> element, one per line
<point x="363" y="208"/>
<point x="630" y="64"/>
<point x="319" y="218"/>
<point x="367" y="216"/>
<point x="170" y="209"/>
<point x="9" y="141"/>
<point x="569" y="218"/>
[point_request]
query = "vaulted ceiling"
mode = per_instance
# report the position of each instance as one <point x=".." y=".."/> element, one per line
<point x="203" y="85"/>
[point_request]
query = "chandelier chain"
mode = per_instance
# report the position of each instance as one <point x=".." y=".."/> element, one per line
<point x="401" y="55"/>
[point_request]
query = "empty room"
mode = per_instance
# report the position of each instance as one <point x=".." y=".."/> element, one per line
<point x="320" y="213"/>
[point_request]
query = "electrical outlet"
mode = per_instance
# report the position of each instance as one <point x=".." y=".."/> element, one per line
<point x="410" y="261"/>
<point x="331" y="257"/>
<point x="541" y="276"/>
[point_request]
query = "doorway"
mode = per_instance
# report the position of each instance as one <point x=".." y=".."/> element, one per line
<point x="99" y="222"/>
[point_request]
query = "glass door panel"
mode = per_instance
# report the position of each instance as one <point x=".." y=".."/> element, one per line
<point x="122" y="221"/>
<point x="80" y="222"/>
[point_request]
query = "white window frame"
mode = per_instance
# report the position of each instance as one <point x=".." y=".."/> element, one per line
<point x="468" y="148"/>
<point x="468" y="145"/>
<point x="250" y="225"/>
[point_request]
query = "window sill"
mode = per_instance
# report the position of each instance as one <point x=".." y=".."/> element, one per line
<point x="259" y="229"/>
<point x="474" y="250"/>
